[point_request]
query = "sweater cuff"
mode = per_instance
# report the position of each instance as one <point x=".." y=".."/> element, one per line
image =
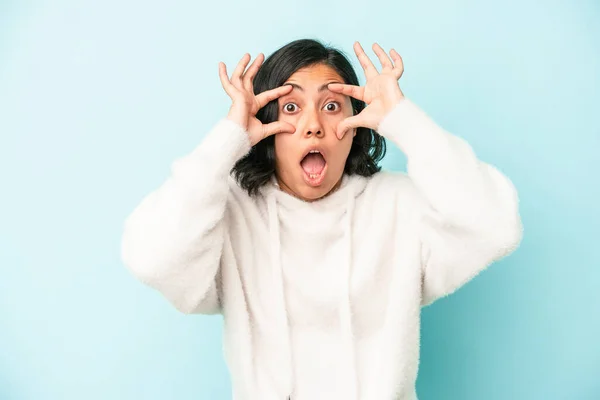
<point x="411" y="129"/>
<point x="226" y="143"/>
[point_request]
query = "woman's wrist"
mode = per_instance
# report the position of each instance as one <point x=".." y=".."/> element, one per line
<point x="238" y="118"/>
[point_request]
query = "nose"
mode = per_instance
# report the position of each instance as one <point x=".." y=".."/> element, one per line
<point x="313" y="127"/>
<point x="314" y="132"/>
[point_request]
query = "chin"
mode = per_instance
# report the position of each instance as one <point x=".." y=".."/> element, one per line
<point x="313" y="194"/>
<point x="315" y="189"/>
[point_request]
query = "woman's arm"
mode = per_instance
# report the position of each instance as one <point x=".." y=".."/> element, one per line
<point x="173" y="239"/>
<point x="469" y="209"/>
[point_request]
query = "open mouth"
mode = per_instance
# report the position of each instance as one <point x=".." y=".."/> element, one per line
<point x="314" y="166"/>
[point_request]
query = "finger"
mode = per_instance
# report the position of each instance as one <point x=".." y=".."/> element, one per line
<point x="349" y="90"/>
<point x="264" y="98"/>
<point x="225" y="82"/>
<point x="385" y="61"/>
<point x="347" y="124"/>
<point x="398" y="63"/>
<point x="249" y="75"/>
<point x="277" y="127"/>
<point x="239" y="70"/>
<point x="365" y="61"/>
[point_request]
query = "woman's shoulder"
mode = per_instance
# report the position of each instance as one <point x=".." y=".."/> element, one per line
<point x="239" y="195"/>
<point x="391" y="180"/>
<point x="393" y="185"/>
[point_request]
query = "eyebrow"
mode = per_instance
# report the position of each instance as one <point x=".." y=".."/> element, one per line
<point x="322" y="88"/>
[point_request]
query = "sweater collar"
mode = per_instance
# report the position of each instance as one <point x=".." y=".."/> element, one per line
<point x="343" y="199"/>
<point x="351" y="186"/>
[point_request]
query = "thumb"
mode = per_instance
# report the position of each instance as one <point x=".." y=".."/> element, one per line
<point x="278" y="127"/>
<point x="347" y="124"/>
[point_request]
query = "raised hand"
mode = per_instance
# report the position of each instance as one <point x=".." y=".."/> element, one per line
<point x="381" y="91"/>
<point x="245" y="104"/>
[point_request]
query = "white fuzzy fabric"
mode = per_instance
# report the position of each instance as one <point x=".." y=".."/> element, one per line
<point x="322" y="300"/>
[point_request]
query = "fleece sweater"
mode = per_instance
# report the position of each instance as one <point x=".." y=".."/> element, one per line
<point x="322" y="300"/>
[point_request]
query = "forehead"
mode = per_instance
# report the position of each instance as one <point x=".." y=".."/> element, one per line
<point x="315" y="75"/>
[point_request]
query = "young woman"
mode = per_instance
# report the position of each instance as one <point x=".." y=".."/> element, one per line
<point x="282" y="221"/>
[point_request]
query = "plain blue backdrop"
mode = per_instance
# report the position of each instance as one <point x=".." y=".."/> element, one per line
<point x="98" y="98"/>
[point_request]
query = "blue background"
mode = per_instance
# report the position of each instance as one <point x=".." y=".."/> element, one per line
<point x="98" y="98"/>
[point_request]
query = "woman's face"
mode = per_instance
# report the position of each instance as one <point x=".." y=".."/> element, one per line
<point x="310" y="163"/>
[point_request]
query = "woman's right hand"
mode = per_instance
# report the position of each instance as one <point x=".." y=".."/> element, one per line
<point x="245" y="104"/>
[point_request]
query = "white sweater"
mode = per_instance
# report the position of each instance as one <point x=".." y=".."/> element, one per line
<point x="322" y="300"/>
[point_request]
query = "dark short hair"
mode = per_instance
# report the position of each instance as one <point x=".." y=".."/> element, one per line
<point x="258" y="166"/>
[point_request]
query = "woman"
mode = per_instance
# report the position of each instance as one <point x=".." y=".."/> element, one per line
<point x="282" y="221"/>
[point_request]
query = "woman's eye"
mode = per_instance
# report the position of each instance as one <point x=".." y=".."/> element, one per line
<point x="290" y="107"/>
<point x="333" y="106"/>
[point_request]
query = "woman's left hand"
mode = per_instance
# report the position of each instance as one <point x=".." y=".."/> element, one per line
<point x="381" y="93"/>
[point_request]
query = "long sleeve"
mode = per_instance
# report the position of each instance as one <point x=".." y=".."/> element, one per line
<point x="469" y="211"/>
<point x="173" y="239"/>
